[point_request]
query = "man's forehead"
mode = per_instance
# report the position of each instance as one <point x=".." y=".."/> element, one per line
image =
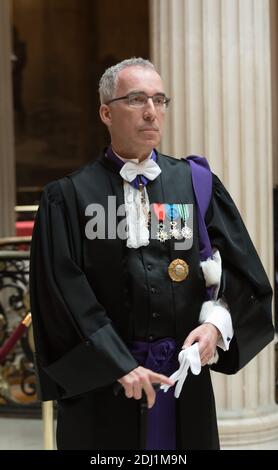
<point x="139" y="79"/>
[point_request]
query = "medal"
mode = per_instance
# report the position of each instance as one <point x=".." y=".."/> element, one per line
<point x="159" y="211"/>
<point x="186" y="231"/>
<point x="175" y="232"/>
<point x="172" y="213"/>
<point x="178" y="270"/>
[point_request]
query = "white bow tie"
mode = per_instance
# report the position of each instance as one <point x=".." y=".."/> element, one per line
<point x="148" y="168"/>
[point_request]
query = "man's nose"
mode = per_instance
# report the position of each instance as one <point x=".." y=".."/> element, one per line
<point x="149" y="109"/>
<point x="150" y="103"/>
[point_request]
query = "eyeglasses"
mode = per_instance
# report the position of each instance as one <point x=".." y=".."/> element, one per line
<point x="140" y="99"/>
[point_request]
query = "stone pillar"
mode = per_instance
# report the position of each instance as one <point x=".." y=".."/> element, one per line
<point x="214" y="56"/>
<point x="7" y="163"/>
<point x="274" y="89"/>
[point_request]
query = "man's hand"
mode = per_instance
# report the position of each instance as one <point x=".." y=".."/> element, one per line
<point x="142" y="379"/>
<point x="207" y="336"/>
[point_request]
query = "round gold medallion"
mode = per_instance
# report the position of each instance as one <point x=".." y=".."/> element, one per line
<point x="178" y="270"/>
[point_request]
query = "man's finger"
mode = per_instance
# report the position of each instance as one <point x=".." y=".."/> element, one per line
<point x="150" y="394"/>
<point x="202" y="349"/>
<point x="160" y="378"/>
<point x="191" y="338"/>
<point x="137" y="391"/>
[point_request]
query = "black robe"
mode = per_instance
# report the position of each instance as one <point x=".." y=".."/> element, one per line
<point x="91" y="298"/>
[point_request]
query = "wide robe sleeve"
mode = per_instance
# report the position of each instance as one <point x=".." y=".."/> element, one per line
<point x="245" y="286"/>
<point x="77" y="347"/>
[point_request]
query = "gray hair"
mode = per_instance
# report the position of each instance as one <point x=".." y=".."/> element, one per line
<point x="108" y="81"/>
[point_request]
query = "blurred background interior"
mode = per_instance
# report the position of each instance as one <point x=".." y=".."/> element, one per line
<point x="59" y="51"/>
<point x="60" y="48"/>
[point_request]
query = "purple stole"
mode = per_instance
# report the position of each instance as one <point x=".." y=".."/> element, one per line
<point x="158" y="424"/>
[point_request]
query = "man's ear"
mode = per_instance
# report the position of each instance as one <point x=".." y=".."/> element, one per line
<point x="105" y="115"/>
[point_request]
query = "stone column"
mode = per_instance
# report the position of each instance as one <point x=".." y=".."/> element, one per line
<point x="7" y="163"/>
<point x="274" y="88"/>
<point x="214" y="56"/>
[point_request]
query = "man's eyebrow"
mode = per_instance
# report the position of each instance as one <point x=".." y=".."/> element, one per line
<point x="141" y="91"/>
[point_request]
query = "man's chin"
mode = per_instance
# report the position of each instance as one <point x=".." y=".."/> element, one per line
<point x="150" y="143"/>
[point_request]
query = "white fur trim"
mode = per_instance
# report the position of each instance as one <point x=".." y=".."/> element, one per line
<point x="212" y="269"/>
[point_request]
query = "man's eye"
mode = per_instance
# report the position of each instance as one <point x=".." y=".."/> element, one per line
<point x="138" y="99"/>
<point x="159" y="100"/>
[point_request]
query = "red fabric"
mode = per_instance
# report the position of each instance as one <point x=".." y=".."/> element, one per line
<point x="24" y="228"/>
<point x="10" y="342"/>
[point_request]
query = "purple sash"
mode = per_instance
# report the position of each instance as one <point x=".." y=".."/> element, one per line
<point x="202" y="185"/>
<point x="158" y="424"/>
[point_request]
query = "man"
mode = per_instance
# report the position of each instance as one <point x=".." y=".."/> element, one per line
<point x="113" y="307"/>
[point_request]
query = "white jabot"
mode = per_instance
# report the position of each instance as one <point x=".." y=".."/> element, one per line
<point x="188" y="357"/>
<point x="137" y="202"/>
<point x="136" y="216"/>
<point x="147" y="167"/>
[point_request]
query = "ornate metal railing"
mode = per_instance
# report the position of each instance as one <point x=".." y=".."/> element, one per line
<point x="17" y="375"/>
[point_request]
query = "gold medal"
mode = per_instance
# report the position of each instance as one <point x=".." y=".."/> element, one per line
<point x="178" y="270"/>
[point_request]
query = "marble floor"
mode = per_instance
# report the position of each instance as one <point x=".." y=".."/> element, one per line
<point x="21" y="434"/>
<point x="27" y="434"/>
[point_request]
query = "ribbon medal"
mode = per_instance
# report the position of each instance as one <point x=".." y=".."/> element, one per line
<point x="172" y="213"/>
<point x="175" y="226"/>
<point x="184" y="215"/>
<point x="161" y="234"/>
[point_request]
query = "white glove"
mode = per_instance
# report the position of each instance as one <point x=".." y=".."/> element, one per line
<point x="189" y="357"/>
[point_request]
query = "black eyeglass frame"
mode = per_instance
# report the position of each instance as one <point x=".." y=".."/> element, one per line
<point x="126" y="97"/>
